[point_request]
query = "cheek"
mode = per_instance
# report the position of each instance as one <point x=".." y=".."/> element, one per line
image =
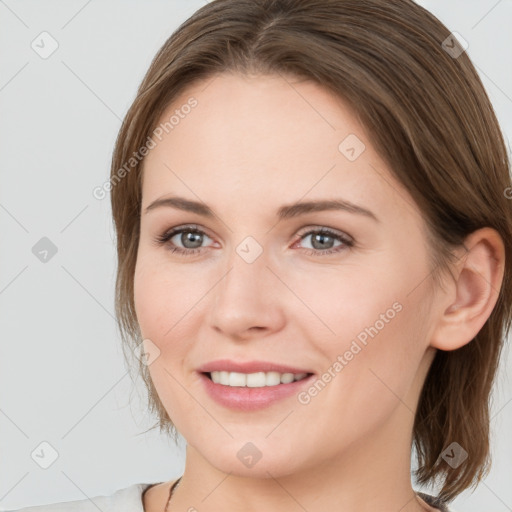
<point x="377" y="320"/>
<point x="343" y="302"/>
<point x="155" y="298"/>
<point x="161" y="308"/>
<point x="370" y="368"/>
<point x="166" y="297"/>
<point x="147" y="300"/>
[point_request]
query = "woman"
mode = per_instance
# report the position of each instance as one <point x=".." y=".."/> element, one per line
<point x="315" y="257"/>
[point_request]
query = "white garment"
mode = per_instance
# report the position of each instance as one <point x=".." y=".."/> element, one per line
<point x="128" y="499"/>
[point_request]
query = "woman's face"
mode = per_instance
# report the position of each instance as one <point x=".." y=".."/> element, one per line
<point x="352" y="307"/>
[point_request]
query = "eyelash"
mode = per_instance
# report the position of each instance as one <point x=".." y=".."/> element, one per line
<point x="165" y="238"/>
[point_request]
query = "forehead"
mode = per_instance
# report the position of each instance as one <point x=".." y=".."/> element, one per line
<point x="267" y="138"/>
<point x="277" y="114"/>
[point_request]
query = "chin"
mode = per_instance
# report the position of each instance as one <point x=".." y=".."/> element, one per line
<point x="255" y="459"/>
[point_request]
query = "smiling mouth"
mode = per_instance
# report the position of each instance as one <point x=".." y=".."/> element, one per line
<point x="254" y="380"/>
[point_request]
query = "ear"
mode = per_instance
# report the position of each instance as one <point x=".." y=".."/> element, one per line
<point x="468" y="302"/>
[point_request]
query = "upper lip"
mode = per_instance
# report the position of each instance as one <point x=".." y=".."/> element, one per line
<point x="248" y="367"/>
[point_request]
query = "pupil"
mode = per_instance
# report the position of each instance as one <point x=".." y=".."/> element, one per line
<point x="322" y="238"/>
<point x="189" y="237"/>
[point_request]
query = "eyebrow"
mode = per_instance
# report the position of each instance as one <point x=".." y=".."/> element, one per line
<point x="284" y="212"/>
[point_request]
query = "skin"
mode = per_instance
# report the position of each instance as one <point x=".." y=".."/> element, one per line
<point x="251" y="145"/>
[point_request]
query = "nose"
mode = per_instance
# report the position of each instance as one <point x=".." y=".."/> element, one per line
<point x="247" y="301"/>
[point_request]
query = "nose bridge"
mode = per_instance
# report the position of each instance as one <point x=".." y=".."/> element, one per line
<point x="245" y="297"/>
<point x="247" y="269"/>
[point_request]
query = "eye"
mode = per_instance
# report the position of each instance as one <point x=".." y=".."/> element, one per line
<point x="322" y="241"/>
<point x="191" y="237"/>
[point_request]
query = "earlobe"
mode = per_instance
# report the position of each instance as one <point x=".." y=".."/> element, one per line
<point x="479" y="276"/>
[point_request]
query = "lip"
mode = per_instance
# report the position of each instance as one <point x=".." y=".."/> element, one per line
<point x="249" y="367"/>
<point x="251" y="399"/>
<point x="245" y="398"/>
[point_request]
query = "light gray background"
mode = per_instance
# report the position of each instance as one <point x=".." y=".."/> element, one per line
<point x="62" y="376"/>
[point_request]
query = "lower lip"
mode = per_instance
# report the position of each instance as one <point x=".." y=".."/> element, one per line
<point x="251" y="399"/>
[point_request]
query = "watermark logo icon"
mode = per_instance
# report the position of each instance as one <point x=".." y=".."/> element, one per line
<point x="147" y="352"/>
<point x="352" y="147"/>
<point x="249" y="454"/>
<point x="44" y="455"/>
<point x="44" y="250"/>
<point x="44" y="45"/>
<point x="249" y="249"/>
<point x="454" y="455"/>
<point x="455" y="45"/>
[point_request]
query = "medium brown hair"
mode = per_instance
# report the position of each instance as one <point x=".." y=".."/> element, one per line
<point x="429" y="118"/>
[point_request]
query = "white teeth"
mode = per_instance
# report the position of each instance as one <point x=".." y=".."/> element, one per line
<point x="286" y="378"/>
<point x="254" y="380"/>
<point x="237" y="379"/>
